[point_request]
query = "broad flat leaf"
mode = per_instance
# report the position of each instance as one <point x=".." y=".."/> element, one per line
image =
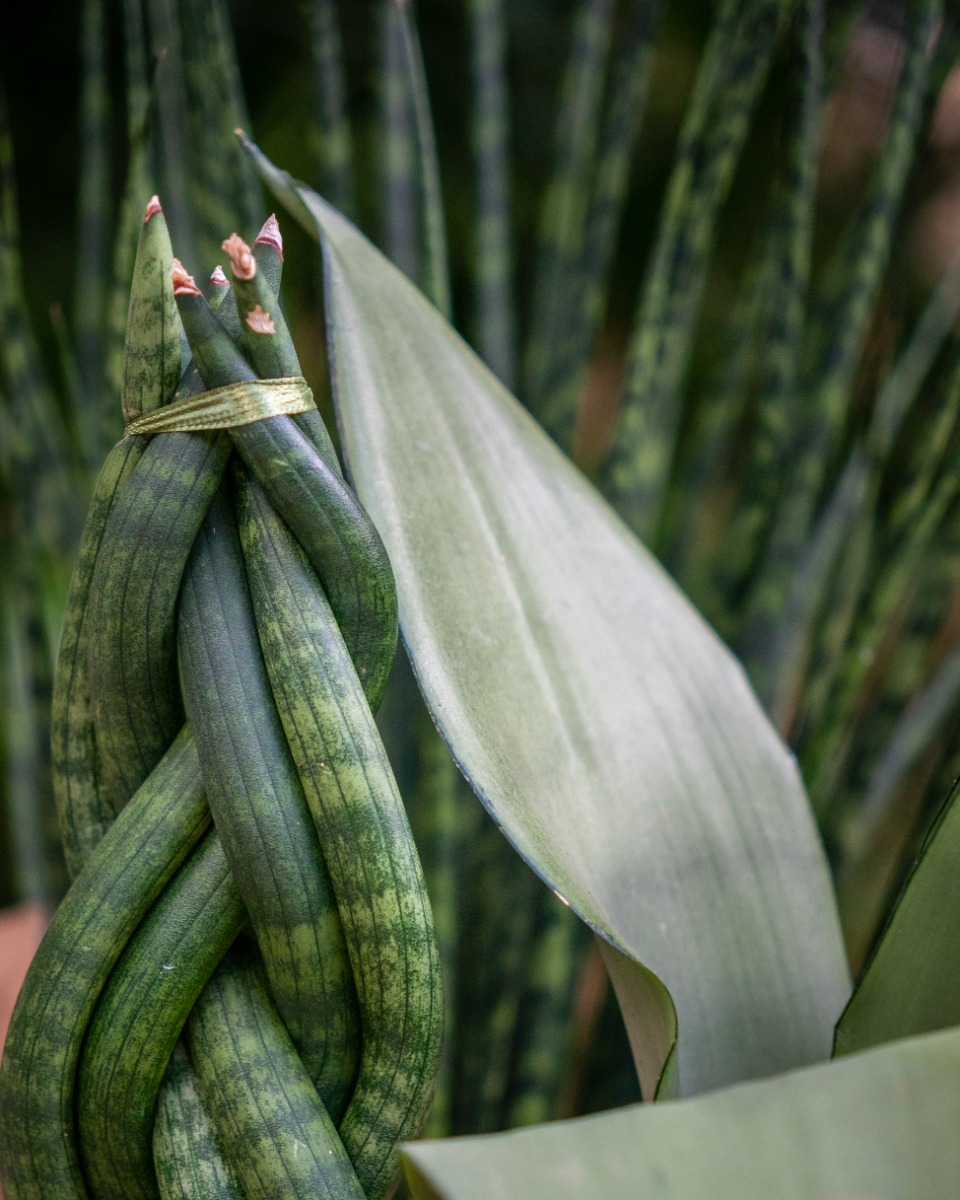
<point x="912" y="982"/>
<point x="611" y="735"/>
<point x="875" y="1126"/>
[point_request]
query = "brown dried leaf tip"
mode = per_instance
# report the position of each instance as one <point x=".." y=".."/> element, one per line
<point x="218" y="279"/>
<point x="183" y="283"/>
<point x="153" y="207"/>
<point x="260" y="321"/>
<point x="242" y="263"/>
<point x="270" y="235"/>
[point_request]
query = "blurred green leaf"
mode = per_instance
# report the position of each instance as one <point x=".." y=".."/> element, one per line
<point x="782" y="602"/>
<point x="592" y="180"/>
<point x="735" y="65"/>
<point x="492" y="263"/>
<point x="333" y="136"/>
<point x="610" y="734"/>
<point x="566" y="199"/>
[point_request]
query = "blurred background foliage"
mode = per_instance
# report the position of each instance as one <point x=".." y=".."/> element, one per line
<point x="713" y="247"/>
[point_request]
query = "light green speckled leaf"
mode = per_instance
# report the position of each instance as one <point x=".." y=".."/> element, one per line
<point x="611" y="735"/>
<point x="875" y="1126"/>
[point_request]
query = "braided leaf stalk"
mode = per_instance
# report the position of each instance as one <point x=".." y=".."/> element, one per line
<point x="252" y="1007"/>
<point x="325" y="707"/>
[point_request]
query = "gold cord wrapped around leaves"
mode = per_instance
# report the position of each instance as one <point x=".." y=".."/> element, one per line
<point x="226" y="407"/>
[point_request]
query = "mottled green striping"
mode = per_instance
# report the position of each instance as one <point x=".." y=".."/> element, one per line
<point x="151" y="356"/>
<point x="852" y="542"/>
<point x="38" y="530"/>
<point x="844" y="309"/>
<point x="566" y="200"/>
<point x="188" y="1155"/>
<point x="127" y="871"/>
<point x="26" y="810"/>
<point x="906" y="554"/>
<point x="859" y="606"/>
<point x="93" y="205"/>
<point x="367" y="845"/>
<point x="136" y="192"/>
<point x="92" y="779"/>
<point x="132" y="608"/>
<point x="217" y="359"/>
<point x="435" y="255"/>
<point x="331" y="129"/>
<point x="928" y="456"/>
<point x="136" y="71"/>
<point x="220" y="185"/>
<point x="499" y="913"/>
<point x="544" y="1034"/>
<point x="492" y="265"/>
<point x="35" y="545"/>
<point x="919" y="587"/>
<point x="710" y="562"/>
<point x="267" y="1114"/>
<point x="440" y="817"/>
<point x="586" y="283"/>
<point x="140" y="1014"/>
<point x="834" y="557"/>
<point x="169" y="121"/>
<point x="735" y="66"/>
<point x="780" y="287"/>
<point x="343" y="545"/>
<point x="272" y="355"/>
<point x="20" y="833"/>
<point x="900" y="393"/>
<point x="274" y="358"/>
<point x="270" y="268"/>
<point x="35" y="434"/>
<point x="83" y="816"/>
<point x="260" y="812"/>
<point x="399" y="203"/>
<point x="924" y="718"/>
<point x="338" y="537"/>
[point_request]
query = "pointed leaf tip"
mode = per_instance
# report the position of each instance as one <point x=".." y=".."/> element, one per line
<point x="153" y="207"/>
<point x="183" y="282"/>
<point x="270" y="235"/>
<point x="217" y="277"/>
<point x="242" y="263"/>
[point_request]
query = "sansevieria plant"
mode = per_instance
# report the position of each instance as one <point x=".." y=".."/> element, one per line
<point x="222" y="656"/>
<point x="246" y="990"/>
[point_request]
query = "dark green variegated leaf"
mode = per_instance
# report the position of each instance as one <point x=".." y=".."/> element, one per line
<point x="611" y="735"/>
<point x="736" y="62"/>
<point x="492" y="260"/>
<point x="881" y="1124"/>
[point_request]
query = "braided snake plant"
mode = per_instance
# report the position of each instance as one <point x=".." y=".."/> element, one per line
<point x="272" y="976"/>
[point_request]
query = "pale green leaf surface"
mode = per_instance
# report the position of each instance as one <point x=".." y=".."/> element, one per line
<point x="912" y="981"/>
<point x="875" y="1126"/>
<point x="611" y="735"/>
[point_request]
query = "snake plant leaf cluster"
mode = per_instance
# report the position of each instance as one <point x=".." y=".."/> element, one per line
<point x="240" y="995"/>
